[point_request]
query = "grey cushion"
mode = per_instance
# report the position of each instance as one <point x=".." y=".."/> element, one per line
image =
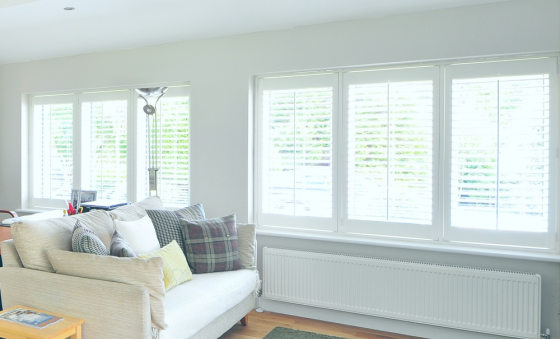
<point x="168" y="223"/>
<point x="120" y="247"/>
<point x="85" y="240"/>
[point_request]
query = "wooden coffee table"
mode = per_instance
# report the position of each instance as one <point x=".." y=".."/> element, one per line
<point x="70" y="327"/>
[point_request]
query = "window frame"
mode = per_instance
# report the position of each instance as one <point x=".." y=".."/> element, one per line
<point x="132" y="135"/>
<point x="440" y="151"/>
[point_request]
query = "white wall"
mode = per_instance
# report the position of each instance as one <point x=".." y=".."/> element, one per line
<point x="220" y="71"/>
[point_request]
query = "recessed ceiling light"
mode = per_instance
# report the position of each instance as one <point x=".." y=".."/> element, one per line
<point x="69" y="8"/>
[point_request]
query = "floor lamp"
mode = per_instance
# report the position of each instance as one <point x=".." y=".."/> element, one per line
<point x="149" y="94"/>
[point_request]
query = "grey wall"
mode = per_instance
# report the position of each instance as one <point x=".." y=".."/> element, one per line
<point x="221" y="70"/>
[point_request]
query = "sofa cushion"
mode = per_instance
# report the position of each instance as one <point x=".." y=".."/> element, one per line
<point x="211" y="245"/>
<point x="176" y="269"/>
<point x="212" y="293"/>
<point x="33" y="238"/>
<point x="140" y="234"/>
<point x="120" y="247"/>
<point x="132" y="271"/>
<point x="136" y="210"/>
<point x="247" y="242"/>
<point x="85" y="240"/>
<point x="194" y="212"/>
<point x="168" y="223"/>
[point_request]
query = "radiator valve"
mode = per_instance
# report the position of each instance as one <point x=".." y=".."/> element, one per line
<point x="546" y="335"/>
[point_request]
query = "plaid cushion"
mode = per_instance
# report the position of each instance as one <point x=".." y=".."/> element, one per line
<point x="85" y="240"/>
<point x="168" y="223"/>
<point x="211" y="245"/>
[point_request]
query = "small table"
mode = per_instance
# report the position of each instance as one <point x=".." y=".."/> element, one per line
<point x="69" y="327"/>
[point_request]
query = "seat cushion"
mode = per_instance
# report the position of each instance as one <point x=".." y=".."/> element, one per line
<point x="33" y="238"/>
<point x="191" y="306"/>
<point x="137" y="210"/>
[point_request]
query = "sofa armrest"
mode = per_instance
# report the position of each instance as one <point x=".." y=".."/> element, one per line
<point x="10" y="256"/>
<point x="111" y="310"/>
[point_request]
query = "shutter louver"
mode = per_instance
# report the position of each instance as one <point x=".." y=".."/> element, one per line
<point x="390" y="152"/>
<point x="500" y="153"/>
<point x="53" y="159"/>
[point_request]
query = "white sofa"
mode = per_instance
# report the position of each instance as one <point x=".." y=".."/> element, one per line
<point x="203" y="308"/>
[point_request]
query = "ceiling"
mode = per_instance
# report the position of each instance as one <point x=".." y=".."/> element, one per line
<point x="41" y="29"/>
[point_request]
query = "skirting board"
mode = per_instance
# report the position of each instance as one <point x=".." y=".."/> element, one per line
<point x="375" y="323"/>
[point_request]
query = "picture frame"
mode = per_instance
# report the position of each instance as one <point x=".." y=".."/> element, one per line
<point x="76" y="199"/>
<point x="88" y="196"/>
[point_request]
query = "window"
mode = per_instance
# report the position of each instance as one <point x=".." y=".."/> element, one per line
<point x="94" y="141"/>
<point x="389" y="160"/>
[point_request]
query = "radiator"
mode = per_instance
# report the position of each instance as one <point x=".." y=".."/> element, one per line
<point x="480" y="300"/>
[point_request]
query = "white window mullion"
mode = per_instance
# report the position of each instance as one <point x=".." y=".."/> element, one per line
<point x="132" y="170"/>
<point x="77" y="143"/>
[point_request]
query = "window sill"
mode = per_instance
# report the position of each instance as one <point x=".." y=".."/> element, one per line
<point x="425" y="245"/>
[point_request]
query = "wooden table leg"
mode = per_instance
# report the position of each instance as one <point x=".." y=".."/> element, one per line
<point x="78" y="334"/>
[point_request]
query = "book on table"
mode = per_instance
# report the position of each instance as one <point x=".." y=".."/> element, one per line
<point x="30" y="318"/>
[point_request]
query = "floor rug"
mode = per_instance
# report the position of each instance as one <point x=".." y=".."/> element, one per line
<point x="288" y="333"/>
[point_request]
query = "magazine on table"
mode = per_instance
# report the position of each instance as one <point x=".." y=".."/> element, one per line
<point x="30" y="318"/>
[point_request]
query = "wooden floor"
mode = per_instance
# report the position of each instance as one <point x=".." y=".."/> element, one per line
<point x="260" y="324"/>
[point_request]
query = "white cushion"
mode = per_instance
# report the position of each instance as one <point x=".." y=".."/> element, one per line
<point x="137" y="210"/>
<point x="140" y="234"/>
<point x="191" y="306"/>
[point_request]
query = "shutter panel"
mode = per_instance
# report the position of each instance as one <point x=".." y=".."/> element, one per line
<point x="53" y="148"/>
<point x="174" y="151"/>
<point x="173" y="117"/>
<point x="390" y="151"/>
<point x="502" y="141"/>
<point x="500" y="153"/>
<point x="296" y="151"/>
<point x="390" y="145"/>
<point x="104" y="144"/>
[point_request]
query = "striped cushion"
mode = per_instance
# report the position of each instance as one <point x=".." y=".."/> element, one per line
<point x="168" y="223"/>
<point x="194" y="212"/>
<point x="85" y="240"/>
<point x="211" y="245"/>
<point x="120" y="247"/>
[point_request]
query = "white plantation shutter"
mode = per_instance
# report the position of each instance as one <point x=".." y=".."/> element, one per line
<point x="52" y="135"/>
<point x="391" y="148"/>
<point x="174" y="130"/>
<point x="104" y="144"/>
<point x="502" y="137"/>
<point x="296" y="154"/>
